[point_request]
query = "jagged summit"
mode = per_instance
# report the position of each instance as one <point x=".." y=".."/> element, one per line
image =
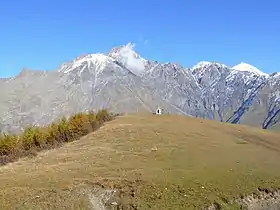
<point x="205" y="64"/>
<point x="126" y="55"/>
<point x="129" y="47"/>
<point x="249" y="68"/>
<point x="99" y="60"/>
<point x="242" y="67"/>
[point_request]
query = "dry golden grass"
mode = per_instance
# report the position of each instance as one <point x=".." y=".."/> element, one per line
<point x="158" y="162"/>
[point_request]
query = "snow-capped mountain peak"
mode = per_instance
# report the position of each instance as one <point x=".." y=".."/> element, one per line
<point x="98" y="59"/>
<point x="126" y="55"/>
<point x="123" y="49"/>
<point x="206" y="64"/>
<point x="201" y="64"/>
<point x="249" y="68"/>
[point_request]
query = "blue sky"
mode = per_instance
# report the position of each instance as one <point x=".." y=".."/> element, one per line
<point x="43" y="34"/>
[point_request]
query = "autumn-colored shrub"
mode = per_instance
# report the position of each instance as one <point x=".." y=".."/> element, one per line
<point x="103" y="116"/>
<point x="77" y="125"/>
<point x="8" y="144"/>
<point x="37" y="138"/>
<point x="30" y="138"/>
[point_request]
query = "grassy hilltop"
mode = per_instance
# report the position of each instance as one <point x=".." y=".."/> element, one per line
<point x="148" y="162"/>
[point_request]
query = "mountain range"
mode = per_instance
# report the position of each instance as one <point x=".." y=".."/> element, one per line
<point x="122" y="81"/>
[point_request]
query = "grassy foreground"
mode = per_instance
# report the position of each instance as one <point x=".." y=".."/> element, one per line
<point x="147" y="162"/>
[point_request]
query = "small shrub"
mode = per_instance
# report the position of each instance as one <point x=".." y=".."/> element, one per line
<point x="34" y="138"/>
<point x="77" y="125"/>
<point x="93" y="124"/>
<point x="61" y="131"/>
<point x="31" y="137"/>
<point x="103" y="116"/>
<point x="8" y="144"/>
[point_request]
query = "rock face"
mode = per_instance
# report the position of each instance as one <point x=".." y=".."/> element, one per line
<point x="123" y="81"/>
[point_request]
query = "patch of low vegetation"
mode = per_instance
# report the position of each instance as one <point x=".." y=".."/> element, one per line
<point x="34" y="139"/>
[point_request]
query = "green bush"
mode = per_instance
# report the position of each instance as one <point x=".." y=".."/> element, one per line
<point x="38" y="138"/>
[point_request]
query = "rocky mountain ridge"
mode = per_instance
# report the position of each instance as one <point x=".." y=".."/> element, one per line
<point x="122" y="81"/>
